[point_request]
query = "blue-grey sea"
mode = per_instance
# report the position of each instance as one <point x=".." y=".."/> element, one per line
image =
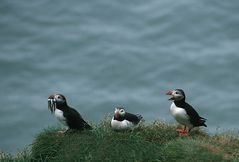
<point x="105" y="53"/>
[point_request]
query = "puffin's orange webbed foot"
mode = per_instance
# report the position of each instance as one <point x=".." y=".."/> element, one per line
<point x="182" y="130"/>
<point x="183" y="134"/>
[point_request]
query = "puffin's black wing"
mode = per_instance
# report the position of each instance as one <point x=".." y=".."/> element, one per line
<point x="75" y="121"/>
<point x="135" y="119"/>
<point x="195" y="119"/>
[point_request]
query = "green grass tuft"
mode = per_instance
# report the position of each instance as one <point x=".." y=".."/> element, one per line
<point x="23" y="156"/>
<point x="156" y="142"/>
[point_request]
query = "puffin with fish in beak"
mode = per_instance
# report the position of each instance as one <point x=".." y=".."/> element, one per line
<point x="66" y="115"/>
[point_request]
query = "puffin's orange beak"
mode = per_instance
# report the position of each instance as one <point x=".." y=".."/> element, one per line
<point x="170" y="92"/>
<point x="117" y="115"/>
<point x="51" y="97"/>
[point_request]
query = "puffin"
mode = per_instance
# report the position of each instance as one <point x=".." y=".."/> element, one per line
<point x="68" y="116"/>
<point x="183" y="112"/>
<point x="123" y="120"/>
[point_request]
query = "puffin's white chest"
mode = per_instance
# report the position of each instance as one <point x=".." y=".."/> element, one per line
<point x="180" y="115"/>
<point x="60" y="117"/>
<point x="121" y="125"/>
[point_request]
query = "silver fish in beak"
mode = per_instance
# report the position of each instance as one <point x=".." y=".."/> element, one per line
<point x="52" y="103"/>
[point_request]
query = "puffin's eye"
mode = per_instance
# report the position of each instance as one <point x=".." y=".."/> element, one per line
<point x="176" y="92"/>
<point x="58" y="97"/>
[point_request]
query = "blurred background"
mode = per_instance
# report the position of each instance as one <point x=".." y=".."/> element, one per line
<point x="102" y="54"/>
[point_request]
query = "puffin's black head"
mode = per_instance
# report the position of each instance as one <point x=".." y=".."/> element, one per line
<point x="56" y="101"/>
<point x="119" y="112"/>
<point x="176" y="95"/>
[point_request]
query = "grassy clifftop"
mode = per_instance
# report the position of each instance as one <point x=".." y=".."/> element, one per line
<point x="155" y="142"/>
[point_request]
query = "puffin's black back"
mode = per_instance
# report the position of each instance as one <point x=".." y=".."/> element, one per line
<point x="74" y="120"/>
<point x="195" y="119"/>
<point x="135" y="119"/>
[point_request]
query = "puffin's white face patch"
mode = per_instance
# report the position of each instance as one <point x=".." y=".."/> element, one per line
<point x="120" y="111"/>
<point x="176" y="95"/>
<point x="59" y="98"/>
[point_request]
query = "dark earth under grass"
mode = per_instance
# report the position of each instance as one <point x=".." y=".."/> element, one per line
<point x="156" y="142"/>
